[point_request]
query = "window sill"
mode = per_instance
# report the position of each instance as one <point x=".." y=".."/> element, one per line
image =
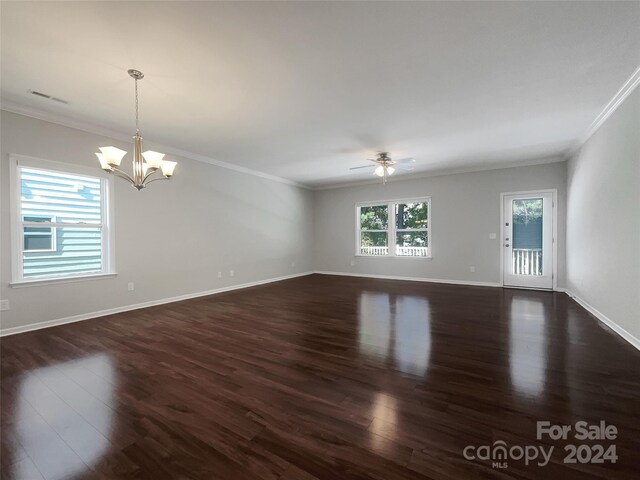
<point x="429" y="257"/>
<point x="36" y="282"/>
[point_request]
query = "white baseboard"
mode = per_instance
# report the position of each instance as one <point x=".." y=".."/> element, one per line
<point x="606" y="320"/>
<point x="412" y="279"/>
<point x="101" y="313"/>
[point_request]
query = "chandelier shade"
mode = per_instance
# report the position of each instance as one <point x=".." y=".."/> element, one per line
<point x="153" y="159"/>
<point x="167" y="168"/>
<point x="145" y="164"/>
<point x="103" y="162"/>
<point x="113" y="155"/>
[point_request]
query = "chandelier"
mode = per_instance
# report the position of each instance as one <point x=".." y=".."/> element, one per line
<point x="145" y="164"/>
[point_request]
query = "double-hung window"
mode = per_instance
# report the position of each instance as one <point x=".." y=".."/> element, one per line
<point x="60" y="221"/>
<point x="399" y="228"/>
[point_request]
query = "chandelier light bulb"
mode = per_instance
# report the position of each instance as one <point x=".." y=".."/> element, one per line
<point x="379" y="171"/>
<point x="390" y="170"/>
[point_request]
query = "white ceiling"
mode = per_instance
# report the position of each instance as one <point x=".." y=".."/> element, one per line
<point x="306" y="90"/>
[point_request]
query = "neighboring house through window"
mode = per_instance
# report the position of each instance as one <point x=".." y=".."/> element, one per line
<point x="61" y="228"/>
<point x="39" y="239"/>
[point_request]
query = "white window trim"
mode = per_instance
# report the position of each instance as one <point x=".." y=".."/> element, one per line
<point x="107" y="228"/>
<point x="391" y="231"/>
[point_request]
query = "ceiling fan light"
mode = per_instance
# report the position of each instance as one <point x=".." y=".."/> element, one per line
<point x="153" y="159"/>
<point x="113" y="155"/>
<point x="379" y="171"/>
<point x="390" y="170"/>
<point x="103" y="162"/>
<point x="168" y="168"/>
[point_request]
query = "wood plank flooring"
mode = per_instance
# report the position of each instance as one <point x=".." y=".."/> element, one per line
<point x="318" y="377"/>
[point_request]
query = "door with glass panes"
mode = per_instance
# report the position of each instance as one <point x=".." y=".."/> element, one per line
<point x="527" y="240"/>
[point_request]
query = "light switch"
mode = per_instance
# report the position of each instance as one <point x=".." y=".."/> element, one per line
<point x="492" y="236"/>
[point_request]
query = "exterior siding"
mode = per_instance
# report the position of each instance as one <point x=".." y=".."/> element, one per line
<point x="48" y="196"/>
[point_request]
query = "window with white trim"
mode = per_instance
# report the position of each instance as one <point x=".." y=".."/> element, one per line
<point x="403" y="225"/>
<point x="61" y="222"/>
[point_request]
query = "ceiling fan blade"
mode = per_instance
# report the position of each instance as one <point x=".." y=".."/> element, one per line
<point x="406" y="160"/>
<point x="363" y="166"/>
<point x="405" y="168"/>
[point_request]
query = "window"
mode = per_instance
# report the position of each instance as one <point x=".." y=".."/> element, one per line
<point x="61" y="228"/>
<point x="412" y="229"/>
<point x="39" y="239"/>
<point x="374" y="230"/>
<point x="403" y="224"/>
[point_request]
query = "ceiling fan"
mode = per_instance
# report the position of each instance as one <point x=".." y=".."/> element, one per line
<point x="383" y="166"/>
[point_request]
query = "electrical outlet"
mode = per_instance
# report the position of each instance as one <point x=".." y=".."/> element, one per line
<point x="353" y="263"/>
<point x="219" y="274"/>
<point x="130" y="286"/>
<point x="472" y="269"/>
<point x="492" y="236"/>
<point x="231" y="273"/>
<point x="293" y="264"/>
<point x="4" y="305"/>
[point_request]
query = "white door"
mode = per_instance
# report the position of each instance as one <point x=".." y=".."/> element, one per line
<point x="527" y="240"/>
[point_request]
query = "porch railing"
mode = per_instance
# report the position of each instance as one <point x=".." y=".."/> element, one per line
<point x="527" y="261"/>
<point x="400" y="251"/>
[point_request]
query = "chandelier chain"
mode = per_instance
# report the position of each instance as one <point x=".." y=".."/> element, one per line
<point x="137" y="129"/>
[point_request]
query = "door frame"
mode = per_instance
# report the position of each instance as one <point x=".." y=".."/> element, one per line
<point x="554" y="234"/>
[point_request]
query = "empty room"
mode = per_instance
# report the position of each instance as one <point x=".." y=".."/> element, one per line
<point x="319" y="240"/>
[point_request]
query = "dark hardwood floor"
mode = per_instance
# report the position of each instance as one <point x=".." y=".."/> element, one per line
<point x="319" y="377"/>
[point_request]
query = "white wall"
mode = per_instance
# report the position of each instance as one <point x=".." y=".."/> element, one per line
<point x="174" y="237"/>
<point x="465" y="210"/>
<point x="603" y="219"/>
<point x="171" y="239"/>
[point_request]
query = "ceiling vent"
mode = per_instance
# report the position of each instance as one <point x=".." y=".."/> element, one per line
<point x="44" y="95"/>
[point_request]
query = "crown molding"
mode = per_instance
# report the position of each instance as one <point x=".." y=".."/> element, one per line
<point x="12" y="107"/>
<point x="627" y="88"/>
<point x="443" y="172"/>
